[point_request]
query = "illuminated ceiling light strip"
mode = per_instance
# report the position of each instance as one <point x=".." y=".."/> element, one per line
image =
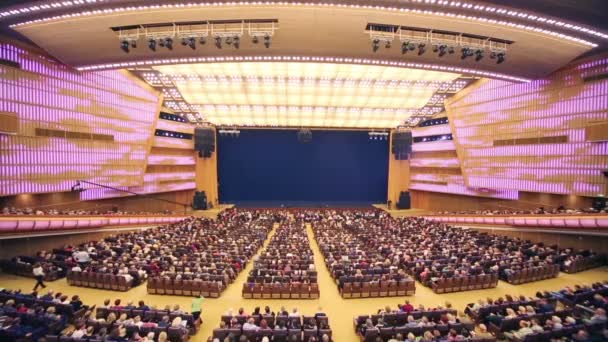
<point x="429" y="3"/>
<point x="348" y="60"/>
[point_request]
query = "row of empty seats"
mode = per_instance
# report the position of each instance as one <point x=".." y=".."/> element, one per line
<point x="105" y="281"/>
<point x="467" y="283"/>
<point x="281" y="291"/>
<point x="165" y="286"/>
<point x="531" y="274"/>
<point x="378" y="289"/>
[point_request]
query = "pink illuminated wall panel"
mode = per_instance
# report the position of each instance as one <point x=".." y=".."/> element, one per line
<point x="100" y="124"/>
<point x="531" y="136"/>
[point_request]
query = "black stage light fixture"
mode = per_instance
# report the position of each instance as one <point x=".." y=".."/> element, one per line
<point x="237" y="42"/>
<point x="403" y="48"/>
<point x="375" y="45"/>
<point x="478" y="55"/>
<point x="134" y="44"/>
<point x="152" y="44"/>
<point x="435" y="48"/>
<point x="169" y="43"/>
<point x="161" y="42"/>
<point x="124" y="46"/>
<point x="202" y="40"/>
<point x="451" y="50"/>
<point x="388" y="44"/>
<point x="228" y="40"/>
<point x="443" y="49"/>
<point x="500" y="58"/>
<point x="421" y="49"/>
<point x="267" y="41"/>
<point x="184" y="41"/>
<point x="466" y="52"/>
<point x="192" y="43"/>
<point x="255" y="39"/>
<point x="218" y="42"/>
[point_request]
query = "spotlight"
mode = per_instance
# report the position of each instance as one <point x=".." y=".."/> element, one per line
<point x="451" y="50"/>
<point x="152" y="44"/>
<point x="403" y="48"/>
<point x="500" y="58"/>
<point x="218" y="42"/>
<point x="169" y="43"/>
<point x="237" y="42"/>
<point x="202" y="40"/>
<point x="161" y="42"/>
<point x="255" y="39"/>
<point x="375" y="45"/>
<point x="267" y="41"/>
<point x="478" y="55"/>
<point x="124" y="46"/>
<point x="466" y="52"/>
<point x="229" y="40"/>
<point x="411" y="46"/>
<point x="388" y="44"/>
<point x="192" y="43"/>
<point x="421" y="49"/>
<point x="435" y="47"/>
<point x="134" y="44"/>
<point x="442" y="50"/>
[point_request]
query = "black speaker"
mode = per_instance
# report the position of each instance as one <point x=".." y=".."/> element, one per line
<point x="402" y="145"/>
<point x="204" y="141"/>
<point x="599" y="203"/>
<point x="199" y="202"/>
<point x="404" y="200"/>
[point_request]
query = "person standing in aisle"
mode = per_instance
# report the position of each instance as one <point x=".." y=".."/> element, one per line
<point x="39" y="275"/>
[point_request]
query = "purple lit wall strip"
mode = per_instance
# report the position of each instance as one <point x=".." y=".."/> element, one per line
<point x="45" y="94"/>
<point x="559" y="107"/>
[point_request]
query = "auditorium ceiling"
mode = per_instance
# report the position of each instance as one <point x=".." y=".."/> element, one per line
<point x="276" y="66"/>
<point x="310" y="94"/>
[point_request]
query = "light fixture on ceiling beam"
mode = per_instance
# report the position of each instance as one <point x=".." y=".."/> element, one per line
<point x="421" y="49"/>
<point x="218" y="42"/>
<point x="124" y="46"/>
<point x="375" y="44"/>
<point x="152" y="44"/>
<point x="478" y="55"/>
<point x="236" y="42"/>
<point x="267" y="41"/>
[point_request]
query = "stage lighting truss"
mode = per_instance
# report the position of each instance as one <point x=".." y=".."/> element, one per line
<point x="374" y="135"/>
<point x="193" y="33"/>
<point x="416" y="40"/>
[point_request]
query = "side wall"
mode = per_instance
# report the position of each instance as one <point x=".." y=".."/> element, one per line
<point x="526" y="144"/>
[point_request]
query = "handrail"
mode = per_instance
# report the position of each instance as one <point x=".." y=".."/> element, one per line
<point x="40" y="224"/>
<point x="554" y="221"/>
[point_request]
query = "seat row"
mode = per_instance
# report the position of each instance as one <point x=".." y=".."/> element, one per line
<point x="531" y="274"/>
<point x="580" y="265"/>
<point x="511" y="324"/>
<point x="272" y="320"/>
<point x="387" y="333"/>
<point x="281" y="291"/>
<point x="397" y="319"/>
<point x="173" y="334"/>
<point x="176" y="287"/>
<point x="106" y="281"/>
<point x="564" y="333"/>
<point x="291" y="335"/>
<point x="62" y="309"/>
<point x="378" y="289"/>
<point x="25" y="270"/>
<point x="149" y="316"/>
<point x="468" y="283"/>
